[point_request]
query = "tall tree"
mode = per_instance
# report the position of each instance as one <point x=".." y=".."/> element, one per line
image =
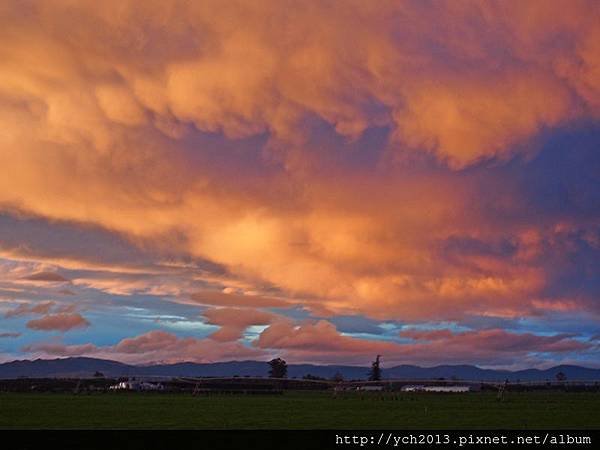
<point x="278" y="368"/>
<point x="375" y="374"/>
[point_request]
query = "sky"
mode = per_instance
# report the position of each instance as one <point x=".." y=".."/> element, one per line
<point x="321" y="181"/>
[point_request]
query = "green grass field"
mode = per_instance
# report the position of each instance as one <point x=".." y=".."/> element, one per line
<point x="301" y="410"/>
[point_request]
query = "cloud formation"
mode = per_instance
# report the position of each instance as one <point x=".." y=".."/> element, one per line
<point x="26" y="309"/>
<point x="58" y="322"/>
<point x="51" y="277"/>
<point x="320" y="341"/>
<point x="399" y="161"/>
<point x="234" y="321"/>
<point x="154" y="346"/>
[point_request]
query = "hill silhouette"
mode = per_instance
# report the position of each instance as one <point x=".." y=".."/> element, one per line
<point x="86" y="367"/>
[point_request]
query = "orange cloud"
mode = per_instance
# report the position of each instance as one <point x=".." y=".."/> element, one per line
<point x="138" y="119"/>
<point x="234" y="321"/>
<point x="465" y="120"/>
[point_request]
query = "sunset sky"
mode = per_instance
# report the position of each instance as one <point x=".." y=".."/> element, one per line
<point x="322" y="181"/>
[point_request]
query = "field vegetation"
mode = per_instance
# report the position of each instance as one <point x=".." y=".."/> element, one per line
<point x="301" y="410"/>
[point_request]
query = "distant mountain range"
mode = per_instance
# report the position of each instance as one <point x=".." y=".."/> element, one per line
<point x="86" y="367"/>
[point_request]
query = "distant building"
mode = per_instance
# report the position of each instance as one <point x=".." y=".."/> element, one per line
<point x="423" y="388"/>
<point x="136" y="386"/>
<point x="446" y="388"/>
<point x="370" y="388"/>
<point x="412" y="388"/>
<point x="124" y="386"/>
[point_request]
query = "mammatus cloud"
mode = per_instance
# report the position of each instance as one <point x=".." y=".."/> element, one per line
<point x="107" y="87"/>
<point x="394" y="160"/>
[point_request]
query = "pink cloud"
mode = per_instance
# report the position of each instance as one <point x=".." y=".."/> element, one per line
<point x="320" y="337"/>
<point x="25" y="308"/>
<point x="154" y="346"/>
<point x="58" y="322"/>
<point x="58" y="349"/>
<point x="162" y="346"/>
<point x="148" y="342"/>
<point x="320" y="341"/>
<point x="497" y="340"/>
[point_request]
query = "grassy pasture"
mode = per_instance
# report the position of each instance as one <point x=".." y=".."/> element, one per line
<point x="301" y="410"/>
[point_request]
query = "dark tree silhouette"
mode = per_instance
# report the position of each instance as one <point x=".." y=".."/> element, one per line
<point x="278" y="368"/>
<point x="338" y="377"/>
<point x="98" y="374"/>
<point x="375" y="374"/>
<point x="560" y="376"/>
<point x="309" y="376"/>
